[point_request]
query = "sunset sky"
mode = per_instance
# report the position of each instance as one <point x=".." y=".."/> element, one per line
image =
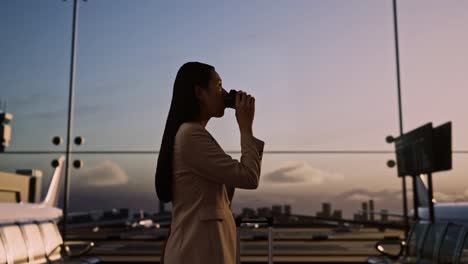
<point x="323" y="74"/>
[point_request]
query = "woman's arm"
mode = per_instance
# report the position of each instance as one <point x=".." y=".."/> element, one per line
<point x="207" y="159"/>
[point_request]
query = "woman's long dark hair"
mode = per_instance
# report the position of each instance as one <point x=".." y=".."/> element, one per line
<point x="184" y="108"/>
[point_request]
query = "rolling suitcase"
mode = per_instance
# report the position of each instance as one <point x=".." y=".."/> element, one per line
<point x="240" y="222"/>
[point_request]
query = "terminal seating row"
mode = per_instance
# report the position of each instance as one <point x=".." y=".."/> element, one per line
<point x="39" y="242"/>
<point x="428" y="243"/>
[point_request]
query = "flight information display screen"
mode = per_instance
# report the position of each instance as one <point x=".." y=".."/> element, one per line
<point x="414" y="151"/>
<point x="424" y="150"/>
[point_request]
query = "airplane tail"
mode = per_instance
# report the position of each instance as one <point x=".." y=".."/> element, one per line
<point x="423" y="199"/>
<point x="51" y="199"/>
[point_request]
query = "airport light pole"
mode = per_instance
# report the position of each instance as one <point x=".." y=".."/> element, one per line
<point x="400" y="113"/>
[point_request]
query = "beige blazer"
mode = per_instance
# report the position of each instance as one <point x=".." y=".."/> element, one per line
<point x="203" y="229"/>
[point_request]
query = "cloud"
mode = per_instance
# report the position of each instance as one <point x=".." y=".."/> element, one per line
<point x="362" y="197"/>
<point x="444" y="197"/>
<point x="365" y="195"/>
<point x="107" y="173"/>
<point x="300" y="172"/>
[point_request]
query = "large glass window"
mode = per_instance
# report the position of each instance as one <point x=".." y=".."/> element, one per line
<point x="322" y="72"/>
<point x="34" y="71"/>
<point x="105" y="182"/>
<point x="433" y="63"/>
<point x="432" y="44"/>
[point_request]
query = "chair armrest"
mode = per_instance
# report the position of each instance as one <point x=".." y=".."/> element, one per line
<point x="380" y="247"/>
<point x="87" y="248"/>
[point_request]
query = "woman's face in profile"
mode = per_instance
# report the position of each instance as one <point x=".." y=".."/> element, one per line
<point x="213" y="97"/>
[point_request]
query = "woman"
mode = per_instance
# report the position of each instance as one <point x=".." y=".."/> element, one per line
<point x="196" y="175"/>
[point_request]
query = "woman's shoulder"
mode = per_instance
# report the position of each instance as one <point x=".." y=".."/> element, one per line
<point x="189" y="130"/>
<point x="188" y="127"/>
